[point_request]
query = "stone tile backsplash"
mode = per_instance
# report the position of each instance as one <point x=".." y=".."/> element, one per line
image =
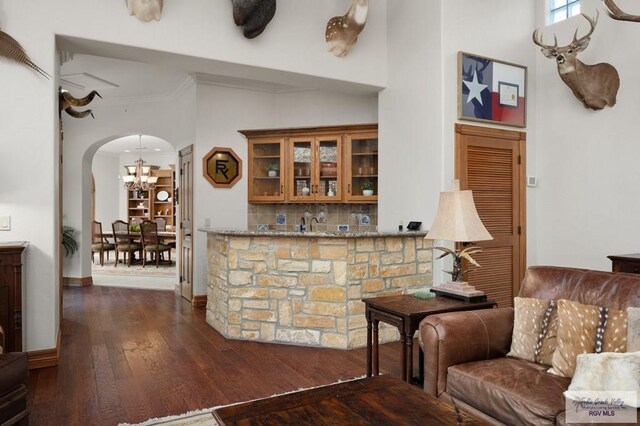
<point x="287" y="217"/>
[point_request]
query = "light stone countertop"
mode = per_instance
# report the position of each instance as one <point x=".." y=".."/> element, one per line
<point x="312" y="234"/>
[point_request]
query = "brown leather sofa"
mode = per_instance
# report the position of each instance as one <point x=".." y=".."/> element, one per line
<point x="13" y="386"/>
<point x="465" y="352"/>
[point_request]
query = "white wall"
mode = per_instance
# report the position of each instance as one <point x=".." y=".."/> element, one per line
<point x="221" y="112"/>
<point x="587" y="161"/>
<point x="105" y="169"/>
<point x="418" y="108"/>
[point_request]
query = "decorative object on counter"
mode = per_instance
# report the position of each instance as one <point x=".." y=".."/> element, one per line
<point x="139" y="175"/>
<point x="69" y="242"/>
<point x="424" y="295"/>
<point x="253" y="15"/>
<point x="222" y="167"/>
<point x="457" y="220"/>
<point x="11" y="49"/>
<point x="145" y="10"/>
<point x="367" y="188"/>
<point x="342" y="32"/>
<point x="364" y="219"/>
<point x="273" y="169"/>
<point x="596" y="86"/>
<point x="414" y="226"/>
<point x="491" y="91"/>
<point x="67" y="102"/>
<point x="263" y="227"/>
<point x="615" y="12"/>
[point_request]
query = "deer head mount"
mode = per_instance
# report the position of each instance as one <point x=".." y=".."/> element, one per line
<point x="66" y="102"/>
<point x="596" y="86"/>
<point x="616" y="13"/>
<point x="253" y="15"/>
<point x="342" y="31"/>
<point x="145" y="10"/>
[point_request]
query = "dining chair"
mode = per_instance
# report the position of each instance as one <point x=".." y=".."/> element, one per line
<point x="124" y="242"/>
<point x="162" y="224"/>
<point x="100" y="243"/>
<point x="151" y="243"/>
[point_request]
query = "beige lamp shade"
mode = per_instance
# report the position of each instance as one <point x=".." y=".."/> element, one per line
<point x="457" y="219"/>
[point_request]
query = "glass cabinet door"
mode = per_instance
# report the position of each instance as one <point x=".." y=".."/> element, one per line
<point x="301" y="169"/>
<point x="328" y="178"/>
<point x="266" y="166"/>
<point x="362" y="167"/>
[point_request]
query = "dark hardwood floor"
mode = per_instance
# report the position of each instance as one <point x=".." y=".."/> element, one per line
<point x="129" y="355"/>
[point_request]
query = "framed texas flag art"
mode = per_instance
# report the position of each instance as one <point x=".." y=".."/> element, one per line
<point x="491" y="91"/>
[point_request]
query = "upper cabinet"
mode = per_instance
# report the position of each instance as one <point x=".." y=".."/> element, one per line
<point x="362" y="167"/>
<point x="266" y="170"/>
<point x="319" y="164"/>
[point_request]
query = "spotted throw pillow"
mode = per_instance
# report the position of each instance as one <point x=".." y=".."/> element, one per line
<point x="586" y="329"/>
<point x="534" y="330"/>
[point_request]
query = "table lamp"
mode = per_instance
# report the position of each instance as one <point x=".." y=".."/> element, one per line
<point x="457" y="220"/>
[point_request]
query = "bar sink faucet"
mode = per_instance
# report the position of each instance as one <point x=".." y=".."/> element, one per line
<point x="303" y="225"/>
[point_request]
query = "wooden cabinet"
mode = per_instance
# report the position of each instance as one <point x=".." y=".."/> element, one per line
<point x="318" y="164"/>
<point x="314" y="166"/>
<point x="156" y="203"/>
<point x="629" y="263"/>
<point x="12" y="256"/>
<point x="266" y="164"/>
<point x="362" y="167"/>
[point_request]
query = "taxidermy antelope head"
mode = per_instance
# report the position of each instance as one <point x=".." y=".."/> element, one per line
<point x="342" y="31"/>
<point x="596" y="86"/>
<point x="145" y="10"/>
<point x="616" y="13"/>
<point x="66" y="102"/>
<point x="11" y="49"/>
<point x="253" y="15"/>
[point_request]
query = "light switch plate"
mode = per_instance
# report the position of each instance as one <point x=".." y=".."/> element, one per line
<point x="5" y="223"/>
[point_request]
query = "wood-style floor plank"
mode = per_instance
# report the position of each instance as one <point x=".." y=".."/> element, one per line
<point x="128" y="355"/>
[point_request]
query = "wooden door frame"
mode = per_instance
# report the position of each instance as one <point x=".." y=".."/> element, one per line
<point x="184" y="151"/>
<point x="519" y="138"/>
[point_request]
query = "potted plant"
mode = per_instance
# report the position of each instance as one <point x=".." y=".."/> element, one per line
<point x="367" y="188"/>
<point x="272" y="169"/>
<point x="69" y="242"/>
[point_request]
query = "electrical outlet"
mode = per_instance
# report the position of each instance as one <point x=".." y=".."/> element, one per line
<point x="5" y="223"/>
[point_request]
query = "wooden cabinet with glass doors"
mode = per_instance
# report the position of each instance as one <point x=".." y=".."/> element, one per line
<point x="266" y="170"/>
<point x="315" y="169"/>
<point x="313" y="165"/>
<point x="361" y="152"/>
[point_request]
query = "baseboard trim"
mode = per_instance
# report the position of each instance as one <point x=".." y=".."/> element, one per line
<point x="199" y="301"/>
<point x="77" y="282"/>
<point x="45" y="357"/>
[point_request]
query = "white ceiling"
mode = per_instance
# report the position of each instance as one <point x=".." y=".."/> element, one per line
<point x="131" y="143"/>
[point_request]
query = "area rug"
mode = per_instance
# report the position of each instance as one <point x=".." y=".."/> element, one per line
<point x="205" y="417"/>
<point x="166" y="270"/>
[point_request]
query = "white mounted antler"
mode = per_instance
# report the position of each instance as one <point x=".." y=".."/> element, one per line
<point x="145" y="10"/>
<point x="342" y="31"/>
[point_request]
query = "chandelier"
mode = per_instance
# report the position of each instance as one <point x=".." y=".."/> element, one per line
<point x="139" y="176"/>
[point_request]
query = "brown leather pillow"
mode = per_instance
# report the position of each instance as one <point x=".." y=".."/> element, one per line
<point x="534" y="330"/>
<point x="586" y="329"/>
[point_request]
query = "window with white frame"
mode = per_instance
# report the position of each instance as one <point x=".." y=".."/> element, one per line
<point x="559" y="10"/>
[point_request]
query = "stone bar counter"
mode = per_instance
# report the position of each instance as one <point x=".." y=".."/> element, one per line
<point x="305" y="288"/>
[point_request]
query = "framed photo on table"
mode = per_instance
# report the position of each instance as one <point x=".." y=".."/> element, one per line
<point x="491" y="91"/>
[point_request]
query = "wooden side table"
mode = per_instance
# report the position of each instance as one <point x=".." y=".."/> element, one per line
<point x="629" y="263"/>
<point x="405" y="312"/>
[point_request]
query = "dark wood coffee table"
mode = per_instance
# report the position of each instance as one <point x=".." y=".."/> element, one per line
<point x="379" y="400"/>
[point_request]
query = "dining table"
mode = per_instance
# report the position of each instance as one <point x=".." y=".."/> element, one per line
<point x="137" y="235"/>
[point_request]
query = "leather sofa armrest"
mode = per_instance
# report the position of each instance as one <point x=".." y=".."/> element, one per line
<point x="459" y="337"/>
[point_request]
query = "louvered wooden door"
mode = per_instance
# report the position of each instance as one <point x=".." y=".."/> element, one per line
<point x="491" y="162"/>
